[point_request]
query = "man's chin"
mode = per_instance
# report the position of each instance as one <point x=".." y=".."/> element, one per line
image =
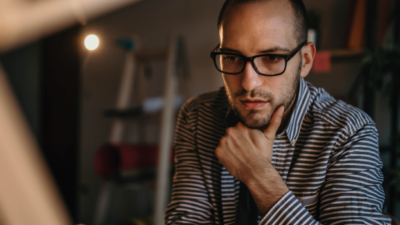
<point x="255" y="121"/>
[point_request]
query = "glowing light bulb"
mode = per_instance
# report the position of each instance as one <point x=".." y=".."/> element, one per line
<point x="92" y="42"/>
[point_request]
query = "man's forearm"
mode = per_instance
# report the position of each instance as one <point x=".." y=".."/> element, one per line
<point x="266" y="188"/>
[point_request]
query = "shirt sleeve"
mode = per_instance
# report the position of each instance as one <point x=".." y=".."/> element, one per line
<point x="352" y="192"/>
<point x="189" y="199"/>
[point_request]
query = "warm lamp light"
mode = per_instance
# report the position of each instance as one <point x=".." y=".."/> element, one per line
<point x="92" y="42"/>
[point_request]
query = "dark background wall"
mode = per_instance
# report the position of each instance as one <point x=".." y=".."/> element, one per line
<point x="60" y="111"/>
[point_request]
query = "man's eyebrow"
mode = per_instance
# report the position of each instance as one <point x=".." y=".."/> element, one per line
<point x="276" y="49"/>
<point x="273" y="49"/>
<point x="229" y="50"/>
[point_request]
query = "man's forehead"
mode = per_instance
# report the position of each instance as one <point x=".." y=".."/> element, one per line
<point x="262" y="9"/>
<point x="271" y="48"/>
<point x="266" y="24"/>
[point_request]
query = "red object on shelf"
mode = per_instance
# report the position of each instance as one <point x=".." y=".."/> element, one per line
<point x="322" y="62"/>
<point x="137" y="156"/>
<point x="106" y="160"/>
<point x="110" y="158"/>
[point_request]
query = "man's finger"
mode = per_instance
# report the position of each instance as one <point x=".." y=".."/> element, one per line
<point x="240" y="125"/>
<point x="274" y="123"/>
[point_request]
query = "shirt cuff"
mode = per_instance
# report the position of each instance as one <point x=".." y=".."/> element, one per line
<point x="288" y="210"/>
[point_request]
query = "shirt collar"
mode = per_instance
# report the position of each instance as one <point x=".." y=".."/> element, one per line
<point x="299" y="112"/>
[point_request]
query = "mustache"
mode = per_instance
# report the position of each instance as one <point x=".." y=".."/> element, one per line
<point x="255" y="93"/>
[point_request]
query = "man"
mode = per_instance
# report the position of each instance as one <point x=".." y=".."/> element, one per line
<point x="270" y="148"/>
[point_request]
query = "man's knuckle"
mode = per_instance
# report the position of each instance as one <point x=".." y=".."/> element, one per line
<point x="219" y="153"/>
<point x="269" y="138"/>
<point x="222" y="141"/>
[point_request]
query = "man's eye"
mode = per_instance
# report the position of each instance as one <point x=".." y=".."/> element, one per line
<point x="230" y="57"/>
<point x="272" y="58"/>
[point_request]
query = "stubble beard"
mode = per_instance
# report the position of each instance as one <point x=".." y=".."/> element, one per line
<point x="261" y="123"/>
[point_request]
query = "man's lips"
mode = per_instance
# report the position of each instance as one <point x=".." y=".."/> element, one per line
<point x="253" y="103"/>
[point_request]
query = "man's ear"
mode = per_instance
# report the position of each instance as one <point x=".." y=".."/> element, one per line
<point x="308" y="54"/>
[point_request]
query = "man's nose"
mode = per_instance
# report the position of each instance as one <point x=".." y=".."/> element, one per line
<point x="250" y="78"/>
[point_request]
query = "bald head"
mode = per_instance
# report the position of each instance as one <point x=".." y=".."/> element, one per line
<point x="296" y="11"/>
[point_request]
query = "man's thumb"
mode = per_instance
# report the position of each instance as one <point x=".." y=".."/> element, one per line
<point x="274" y="123"/>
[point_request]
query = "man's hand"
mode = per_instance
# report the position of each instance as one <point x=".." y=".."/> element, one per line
<point x="246" y="153"/>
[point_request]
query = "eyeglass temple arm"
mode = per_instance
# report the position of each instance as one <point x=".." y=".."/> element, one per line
<point x="215" y="49"/>
<point x="297" y="50"/>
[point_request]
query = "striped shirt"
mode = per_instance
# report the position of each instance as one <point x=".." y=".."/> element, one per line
<point x="327" y="155"/>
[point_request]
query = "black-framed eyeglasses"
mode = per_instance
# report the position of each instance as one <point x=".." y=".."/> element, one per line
<point x="265" y="64"/>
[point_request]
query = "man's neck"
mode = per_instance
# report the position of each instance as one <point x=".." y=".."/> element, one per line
<point x="287" y="115"/>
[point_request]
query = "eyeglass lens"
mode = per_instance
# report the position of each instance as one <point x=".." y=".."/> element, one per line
<point x="268" y="65"/>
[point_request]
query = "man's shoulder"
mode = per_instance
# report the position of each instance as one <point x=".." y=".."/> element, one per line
<point x="215" y="99"/>
<point x="336" y="112"/>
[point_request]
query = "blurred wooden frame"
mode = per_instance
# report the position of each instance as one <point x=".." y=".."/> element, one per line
<point x="22" y="22"/>
<point x="28" y="195"/>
